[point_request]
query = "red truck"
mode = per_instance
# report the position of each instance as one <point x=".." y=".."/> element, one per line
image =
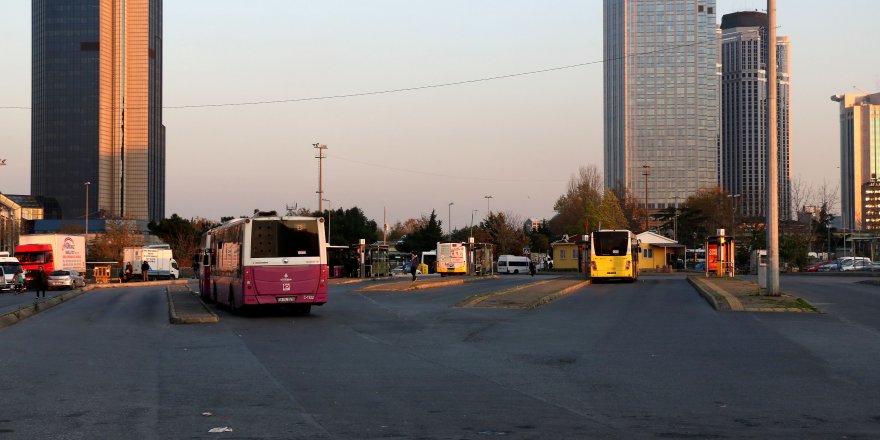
<point x="52" y="251"/>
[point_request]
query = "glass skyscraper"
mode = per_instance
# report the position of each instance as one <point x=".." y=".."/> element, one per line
<point x="661" y="98"/>
<point x="97" y="107"/>
<point x="859" y="160"/>
<point x="744" y="114"/>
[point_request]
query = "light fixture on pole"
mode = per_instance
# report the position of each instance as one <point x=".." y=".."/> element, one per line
<point x="329" y="214"/>
<point x="488" y="209"/>
<point x="320" y="156"/>
<point x="87" y="184"/>
<point x="450" y="220"/>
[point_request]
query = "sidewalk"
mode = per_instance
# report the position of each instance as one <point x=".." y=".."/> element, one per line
<point x="738" y="295"/>
<point x="15" y="308"/>
<point x="527" y="296"/>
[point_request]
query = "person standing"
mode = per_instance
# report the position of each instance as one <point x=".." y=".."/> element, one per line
<point x="195" y="268"/>
<point x="129" y="271"/>
<point x="531" y="267"/>
<point x="41" y="282"/>
<point x="413" y="264"/>
<point x="145" y="269"/>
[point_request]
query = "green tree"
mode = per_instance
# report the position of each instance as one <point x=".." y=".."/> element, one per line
<point x="610" y="214"/>
<point x="505" y="231"/>
<point x="425" y="237"/>
<point x="117" y="235"/>
<point x="182" y="235"/>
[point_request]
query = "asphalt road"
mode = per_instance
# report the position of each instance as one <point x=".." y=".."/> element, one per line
<point x="643" y="360"/>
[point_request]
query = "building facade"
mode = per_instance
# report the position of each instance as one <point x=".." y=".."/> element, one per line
<point x="859" y="157"/>
<point x="661" y="98"/>
<point x="97" y="107"/>
<point x="744" y="92"/>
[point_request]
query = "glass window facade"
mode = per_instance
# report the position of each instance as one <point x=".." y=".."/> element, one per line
<point x="661" y="97"/>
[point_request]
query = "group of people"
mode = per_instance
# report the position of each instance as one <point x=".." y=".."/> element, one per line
<point x="129" y="271"/>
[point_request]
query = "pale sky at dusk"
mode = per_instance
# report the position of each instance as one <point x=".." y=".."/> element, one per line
<point x="518" y="139"/>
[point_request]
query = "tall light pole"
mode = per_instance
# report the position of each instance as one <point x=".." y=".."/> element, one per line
<point x="733" y="198"/>
<point x="329" y="215"/>
<point x="488" y="209"/>
<point x="772" y="158"/>
<point x="646" y="173"/>
<point x="472" y="221"/>
<point x="87" y="212"/>
<point x="320" y="156"/>
<point x="450" y="220"/>
<point x="675" y="220"/>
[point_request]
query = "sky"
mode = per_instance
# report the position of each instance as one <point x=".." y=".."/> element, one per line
<point x="518" y="139"/>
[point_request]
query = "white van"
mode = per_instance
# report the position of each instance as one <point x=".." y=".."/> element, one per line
<point x="513" y="264"/>
<point x="10" y="266"/>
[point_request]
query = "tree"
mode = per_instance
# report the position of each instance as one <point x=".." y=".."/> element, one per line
<point x="182" y="235"/>
<point x="118" y="235"/>
<point x="579" y="203"/>
<point x="505" y="231"/>
<point x="610" y="214"/>
<point x="425" y="237"/>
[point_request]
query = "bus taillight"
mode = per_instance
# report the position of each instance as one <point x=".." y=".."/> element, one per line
<point x="247" y="279"/>
<point x="628" y="264"/>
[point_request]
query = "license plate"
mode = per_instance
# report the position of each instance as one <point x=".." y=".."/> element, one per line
<point x="286" y="299"/>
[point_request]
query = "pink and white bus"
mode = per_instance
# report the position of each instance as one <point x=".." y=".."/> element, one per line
<point x="249" y="262"/>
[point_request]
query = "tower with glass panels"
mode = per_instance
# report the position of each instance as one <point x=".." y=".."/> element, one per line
<point x="744" y="114"/>
<point x="661" y="98"/>
<point x="97" y="107"/>
<point x="859" y="160"/>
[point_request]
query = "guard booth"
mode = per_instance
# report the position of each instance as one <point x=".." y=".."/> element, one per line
<point x="720" y="255"/>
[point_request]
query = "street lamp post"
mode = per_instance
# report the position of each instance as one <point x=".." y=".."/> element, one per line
<point x="472" y="222"/>
<point x="450" y="220"/>
<point x="320" y="156"/>
<point x="733" y="198"/>
<point x="87" y="184"/>
<point x="488" y="209"/>
<point x="675" y="220"/>
<point x="646" y="173"/>
<point x="329" y="215"/>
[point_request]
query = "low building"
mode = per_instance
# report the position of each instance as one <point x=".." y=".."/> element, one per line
<point x="659" y="252"/>
<point x="567" y="252"/>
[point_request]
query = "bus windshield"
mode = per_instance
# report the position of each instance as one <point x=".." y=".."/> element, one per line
<point x="285" y="238"/>
<point x="611" y="244"/>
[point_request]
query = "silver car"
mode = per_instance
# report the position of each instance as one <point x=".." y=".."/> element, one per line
<point x="66" y="278"/>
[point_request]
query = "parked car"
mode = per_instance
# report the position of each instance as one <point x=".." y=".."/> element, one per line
<point x="815" y="266"/>
<point x="66" y="278"/>
<point x="855" y="263"/>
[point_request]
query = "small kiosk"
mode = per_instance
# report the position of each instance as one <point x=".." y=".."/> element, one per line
<point x="720" y="255"/>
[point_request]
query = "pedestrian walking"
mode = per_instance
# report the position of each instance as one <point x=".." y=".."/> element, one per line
<point x="145" y="269"/>
<point x="413" y="264"/>
<point x="41" y="282"/>
<point x="532" y="269"/>
<point x="195" y="268"/>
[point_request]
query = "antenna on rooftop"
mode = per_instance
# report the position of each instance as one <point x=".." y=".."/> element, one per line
<point x="291" y="210"/>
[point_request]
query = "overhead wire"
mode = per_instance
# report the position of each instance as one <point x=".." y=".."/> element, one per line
<point x="422" y="87"/>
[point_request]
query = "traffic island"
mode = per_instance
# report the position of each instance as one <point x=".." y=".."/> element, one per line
<point x="185" y="306"/>
<point x="431" y="283"/>
<point x="736" y="295"/>
<point x="528" y="296"/>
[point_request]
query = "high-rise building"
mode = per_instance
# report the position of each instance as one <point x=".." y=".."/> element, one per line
<point x="744" y="92"/>
<point x="661" y="98"/>
<point x="97" y="106"/>
<point x="859" y="158"/>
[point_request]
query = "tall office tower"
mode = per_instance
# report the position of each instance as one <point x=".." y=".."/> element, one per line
<point x="97" y="107"/>
<point x="744" y="114"/>
<point x="661" y="98"/>
<point x="859" y="159"/>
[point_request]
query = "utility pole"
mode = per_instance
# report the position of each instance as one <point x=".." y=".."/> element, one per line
<point x="320" y="156"/>
<point x="472" y="222"/>
<point x="488" y="210"/>
<point x="772" y="158"/>
<point x="450" y="220"/>
<point x="646" y="173"/>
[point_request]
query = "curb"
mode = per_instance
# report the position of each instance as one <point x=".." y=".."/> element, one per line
<point x="712" y="297"/>
<point x="480" y="297"/>
<point x="556" y="295"/>
<point x="175" y="318"/>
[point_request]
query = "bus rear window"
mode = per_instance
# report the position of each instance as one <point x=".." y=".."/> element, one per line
<point x="611" y="244"/>
<point x="285" y="238"/>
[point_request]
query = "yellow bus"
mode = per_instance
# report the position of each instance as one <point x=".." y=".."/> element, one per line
<point x="614" y="254"/>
